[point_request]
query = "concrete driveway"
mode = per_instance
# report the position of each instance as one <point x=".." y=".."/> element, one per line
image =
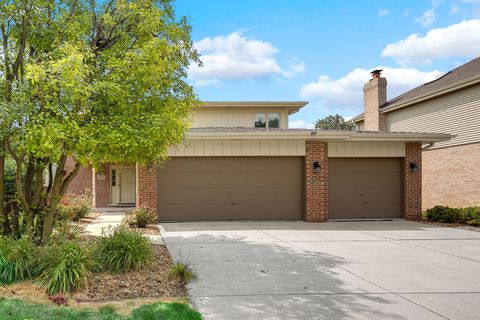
<point x="334" y="270"/>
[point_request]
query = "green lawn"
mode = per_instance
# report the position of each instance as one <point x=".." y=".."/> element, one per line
<point x="18" y="310"/>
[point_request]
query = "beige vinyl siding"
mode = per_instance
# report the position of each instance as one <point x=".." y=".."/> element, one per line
<point x="228" y="118"/>
<point x="205" y="148"/>
<point x="366" y="149"/>
<point x="457" y="113"/>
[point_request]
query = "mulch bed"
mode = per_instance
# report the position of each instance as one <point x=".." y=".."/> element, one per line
<point x="151" y="229"/>
<point x="453" y="225"/>
<point x="153" y="281"/>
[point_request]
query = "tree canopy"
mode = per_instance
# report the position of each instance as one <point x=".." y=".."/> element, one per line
<point x="91" y="81"/>
<point x="334" y="122"/>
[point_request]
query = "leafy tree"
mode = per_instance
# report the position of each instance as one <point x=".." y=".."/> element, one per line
<point x="334" y="122"/>
<point x="83" y="83"/>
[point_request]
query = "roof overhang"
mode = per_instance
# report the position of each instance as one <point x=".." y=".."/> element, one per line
<point x="327" y="136"/>
<point x="290" y="106"/>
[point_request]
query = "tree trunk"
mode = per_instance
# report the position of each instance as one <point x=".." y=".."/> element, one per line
<point x="3" y="210"/>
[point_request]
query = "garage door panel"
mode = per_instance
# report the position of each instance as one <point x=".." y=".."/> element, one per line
<point x="223" y="196"/>
<point x="237" y="179"/>
<point x="222" y="188"/>
<point x="362" y="188"/>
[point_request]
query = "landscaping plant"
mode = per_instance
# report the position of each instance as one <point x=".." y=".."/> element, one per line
<point x="74" y="207"/>
<point x="181" y="271"/>
<point x="123" y="250"/>
<point x="16" y="259"/>
<point x="141" y="217"/>
<point x="64" y="266"/>
<point x="445" y="214"/>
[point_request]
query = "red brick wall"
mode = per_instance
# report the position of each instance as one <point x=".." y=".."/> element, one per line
<point x="412" y="184"/>
<point x="316" y="183"/>
<point x="102" y="187"/>
<point x="147" y="186"/>
<point x="451" y="176"/>
<point x="82" y="183"/>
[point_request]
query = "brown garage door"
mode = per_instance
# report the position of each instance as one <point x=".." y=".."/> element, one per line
<point x="222" y="188"/>
<point x="365" y="188"/>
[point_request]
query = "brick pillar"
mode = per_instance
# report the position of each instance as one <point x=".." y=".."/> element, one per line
<point x="316" y="183"/>
<point x="147" y="186"/>
<point x="412" y="182"/>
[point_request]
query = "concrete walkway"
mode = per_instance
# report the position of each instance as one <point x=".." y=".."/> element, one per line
<point x="110" y="219"/>
<point x="336" y="270"/>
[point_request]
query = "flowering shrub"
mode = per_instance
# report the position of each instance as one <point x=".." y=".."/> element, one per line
<point x="74" y="207"/>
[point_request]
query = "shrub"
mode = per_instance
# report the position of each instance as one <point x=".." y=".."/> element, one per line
<point x="122" y="250"/>
<point x="166" y="311"/>
<point x="181" y="271"/>
<point x="469" y="213"/>
<point x="74" y="207"/>
<point x="16" y="259"/>
<point x="442" y="214"/>
<point x="64" y="266"/>
<point x="141" y="217"/>
<point x="474" y="222"/>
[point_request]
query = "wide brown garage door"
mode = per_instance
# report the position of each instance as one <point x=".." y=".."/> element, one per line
<point x="365" y="188"/>
<point x="223" y="188"/>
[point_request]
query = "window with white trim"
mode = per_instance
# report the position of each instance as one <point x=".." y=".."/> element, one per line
<point x="267" y="120"/>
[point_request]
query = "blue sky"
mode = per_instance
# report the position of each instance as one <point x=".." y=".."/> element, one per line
<point x="321" y="51"/>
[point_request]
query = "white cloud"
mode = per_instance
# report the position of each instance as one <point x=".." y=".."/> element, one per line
<point x="300" y="124"/>
<point x="428" y="17"/>
<point x="406" y="13"/>
<point x="383" y="12"/>
<point x="454" y="8"/>
<point x="236" y="57"/>
<point x="458" y="40"/>
<point x="346" y="93"/>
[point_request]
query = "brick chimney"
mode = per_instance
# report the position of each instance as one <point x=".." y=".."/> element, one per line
<point x="374" y="95"/>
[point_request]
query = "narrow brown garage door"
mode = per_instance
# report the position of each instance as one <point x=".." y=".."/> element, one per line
<point x="222" y="188"/>
<point x="365" y="188"/>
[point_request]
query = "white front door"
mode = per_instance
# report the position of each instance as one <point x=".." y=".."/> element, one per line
<point x="123" y="184"/>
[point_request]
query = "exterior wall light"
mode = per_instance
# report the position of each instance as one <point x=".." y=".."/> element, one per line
<point x="150" y="168"/>
<point x="414" y="167"/>
<point x="316" y="167"/>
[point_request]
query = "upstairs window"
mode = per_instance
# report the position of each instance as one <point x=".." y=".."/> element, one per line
<point x="267" y="120"/>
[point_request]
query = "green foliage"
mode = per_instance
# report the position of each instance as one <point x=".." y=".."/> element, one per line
<point x="64" y="266"/>
<point x="448" y="215"/>
<point x="16" y="259"/>
<point x="474" y="222"/>
<point x="18" y="310"/>
<point x="9" y="177"/>
<point x="74" y="207"/>
<point x="334" y="122"/>
<point x="442" y="214"/>
<point x="141" y="217"/>
<point x="95" y="81"/>
<point x="123" y="250"/>
<point x="165" y="311"/>
<point x="181" y="271"/>
<point x="469" y="213"/>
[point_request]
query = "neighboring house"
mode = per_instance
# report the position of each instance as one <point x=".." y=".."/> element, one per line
<point x="240" y="161"/>
<point x="449" y="104"/>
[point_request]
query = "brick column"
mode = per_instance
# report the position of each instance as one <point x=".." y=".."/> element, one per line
<point x="412" y="182"/>
<point x="316" y="183"/>
<point x="147" y="186"/>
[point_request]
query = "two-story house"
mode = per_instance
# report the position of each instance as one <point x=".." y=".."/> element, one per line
<point x="241" y="161"/>
<point x="449" y="104"/>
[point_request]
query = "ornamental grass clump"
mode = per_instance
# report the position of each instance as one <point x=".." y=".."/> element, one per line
<point x="64" y="266"/>
<point x="16" y="259"/>
<point x="122" y="250"/>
